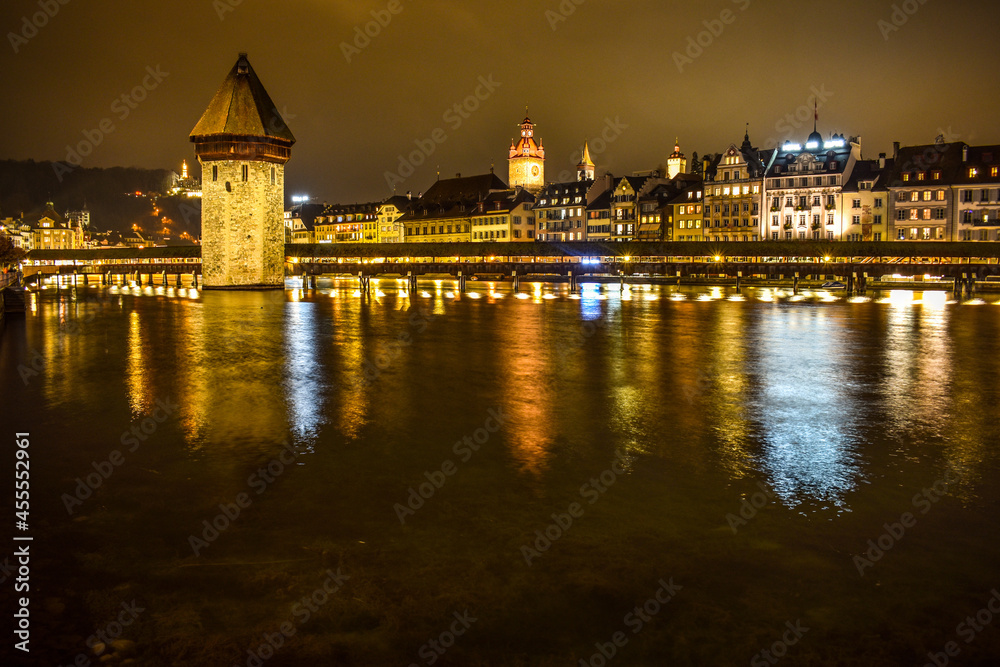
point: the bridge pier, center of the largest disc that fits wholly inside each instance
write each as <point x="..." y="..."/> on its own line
<point x="739" y="278"/>
<point x="365" y="281"/>
<point x="461" y="282"/>
<point x="164" y="278"/>
<point x="572" y="281"/>
<point x="194" y="279"/>
<point x="795" y="283"/>
<point x="411" y="281"/>
<point x="970" y="285"/>
<point x="678" y="278"/>
<point x="516" y="280"/>
<point x="312" y="281"/>
<point x="178" y="282"/>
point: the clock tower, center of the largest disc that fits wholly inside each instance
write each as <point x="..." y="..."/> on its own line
<point x="527" y="160"/>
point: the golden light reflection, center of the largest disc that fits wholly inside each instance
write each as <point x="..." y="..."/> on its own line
<point x="136" y="381"/>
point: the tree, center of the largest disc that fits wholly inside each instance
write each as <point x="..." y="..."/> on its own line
<point x="696" y="165"/>
<point x="9" y="254"/>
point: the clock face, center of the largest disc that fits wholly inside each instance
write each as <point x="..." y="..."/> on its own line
<point x="534" y="171"/>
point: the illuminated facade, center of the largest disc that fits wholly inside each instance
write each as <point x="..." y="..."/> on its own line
<point x="734" y="193"/>
<point x="562" y="211"/>
<point x="355" y="223"/>
<point x="444" y="213"/>
<point x="866" y="201"/>
<point x="804" y="188"/>
<point x="389" y="212"/>
<point x="527" y="160"/>
<point x="52" y="231"/>
<point x="504" y="217"/>
<point x="977" y="195"/>
<point x="242" y="144"/>
<point x="922" y="197"/>
<point x="672" y="211"/>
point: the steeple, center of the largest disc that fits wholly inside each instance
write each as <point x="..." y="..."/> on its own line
<point x="585" y="170"/>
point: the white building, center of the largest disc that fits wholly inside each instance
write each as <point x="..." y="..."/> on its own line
<point x="804" y="187"/>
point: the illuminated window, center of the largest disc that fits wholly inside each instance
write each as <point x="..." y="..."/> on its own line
<point x="973" y="172"/>
<point x="906" y="178"/>
<point x="993" y="172"/>
<point x="921" y="176"/>
<point x="914" y="214"/>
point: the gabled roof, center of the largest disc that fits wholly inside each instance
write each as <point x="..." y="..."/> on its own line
<point x="468" y="188"/>
<point x="242" y="107"/>
<point x="603" y="201"/>
<point x="943" y="157"/>
<point x="984" y="159"/>
<point x="868" y="170"/>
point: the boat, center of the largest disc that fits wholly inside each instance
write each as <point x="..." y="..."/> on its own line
<point x="836" y="284"/>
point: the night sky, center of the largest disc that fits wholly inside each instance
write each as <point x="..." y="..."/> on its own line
<point x="604" y="61"/>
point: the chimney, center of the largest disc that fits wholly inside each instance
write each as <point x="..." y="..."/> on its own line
<point x="409" y="195"/>
<point x="965" y="152"/>
<point x="895" y="150"/>
<point x="881" y="160"/>
<point x="459" y="175"/>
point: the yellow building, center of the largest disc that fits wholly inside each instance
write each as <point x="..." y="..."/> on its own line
<point x="354" y="223"/>
<point x="389" y="212"/>
<point x="444" y="213"/>
<point x="527" y="160"/>
<point x="504" y="217"/>
<point x="52" y="232"/>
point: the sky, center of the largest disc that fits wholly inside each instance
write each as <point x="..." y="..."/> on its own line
<point x="126" y="82"/>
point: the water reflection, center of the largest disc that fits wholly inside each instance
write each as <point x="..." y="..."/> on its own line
<point x="805" y="404"/>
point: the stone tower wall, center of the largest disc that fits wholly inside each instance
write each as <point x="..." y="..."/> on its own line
<point x="243" y="236"/>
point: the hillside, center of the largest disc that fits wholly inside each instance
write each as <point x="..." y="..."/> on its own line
<point x="25" y="186"/>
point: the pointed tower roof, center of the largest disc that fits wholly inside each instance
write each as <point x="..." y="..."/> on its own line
<point x="242" y="107"/>
<point x="586" y="161"/>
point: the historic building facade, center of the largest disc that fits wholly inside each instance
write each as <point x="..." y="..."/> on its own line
<point x="734" y="193"/>
<point x="922" y="196"/>
<point x="242" y="144"/>
<point x="804" y="188"/>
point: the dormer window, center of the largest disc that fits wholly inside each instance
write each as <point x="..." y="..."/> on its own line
<point x="973" y="172"/>
<point x="906" y="178"/>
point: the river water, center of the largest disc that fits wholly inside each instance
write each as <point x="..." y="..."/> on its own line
<point x="661" y="476"/>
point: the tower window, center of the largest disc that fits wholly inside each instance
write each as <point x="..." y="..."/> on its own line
<point x="274" y="179"/>
<point x="215" y="172"/>
<point x="246" y="172"/>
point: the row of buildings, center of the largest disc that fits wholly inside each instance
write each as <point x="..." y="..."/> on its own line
<point x="51" y="230"/>
<point x="48" y="230"/>
<point x="819" y="189"/>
